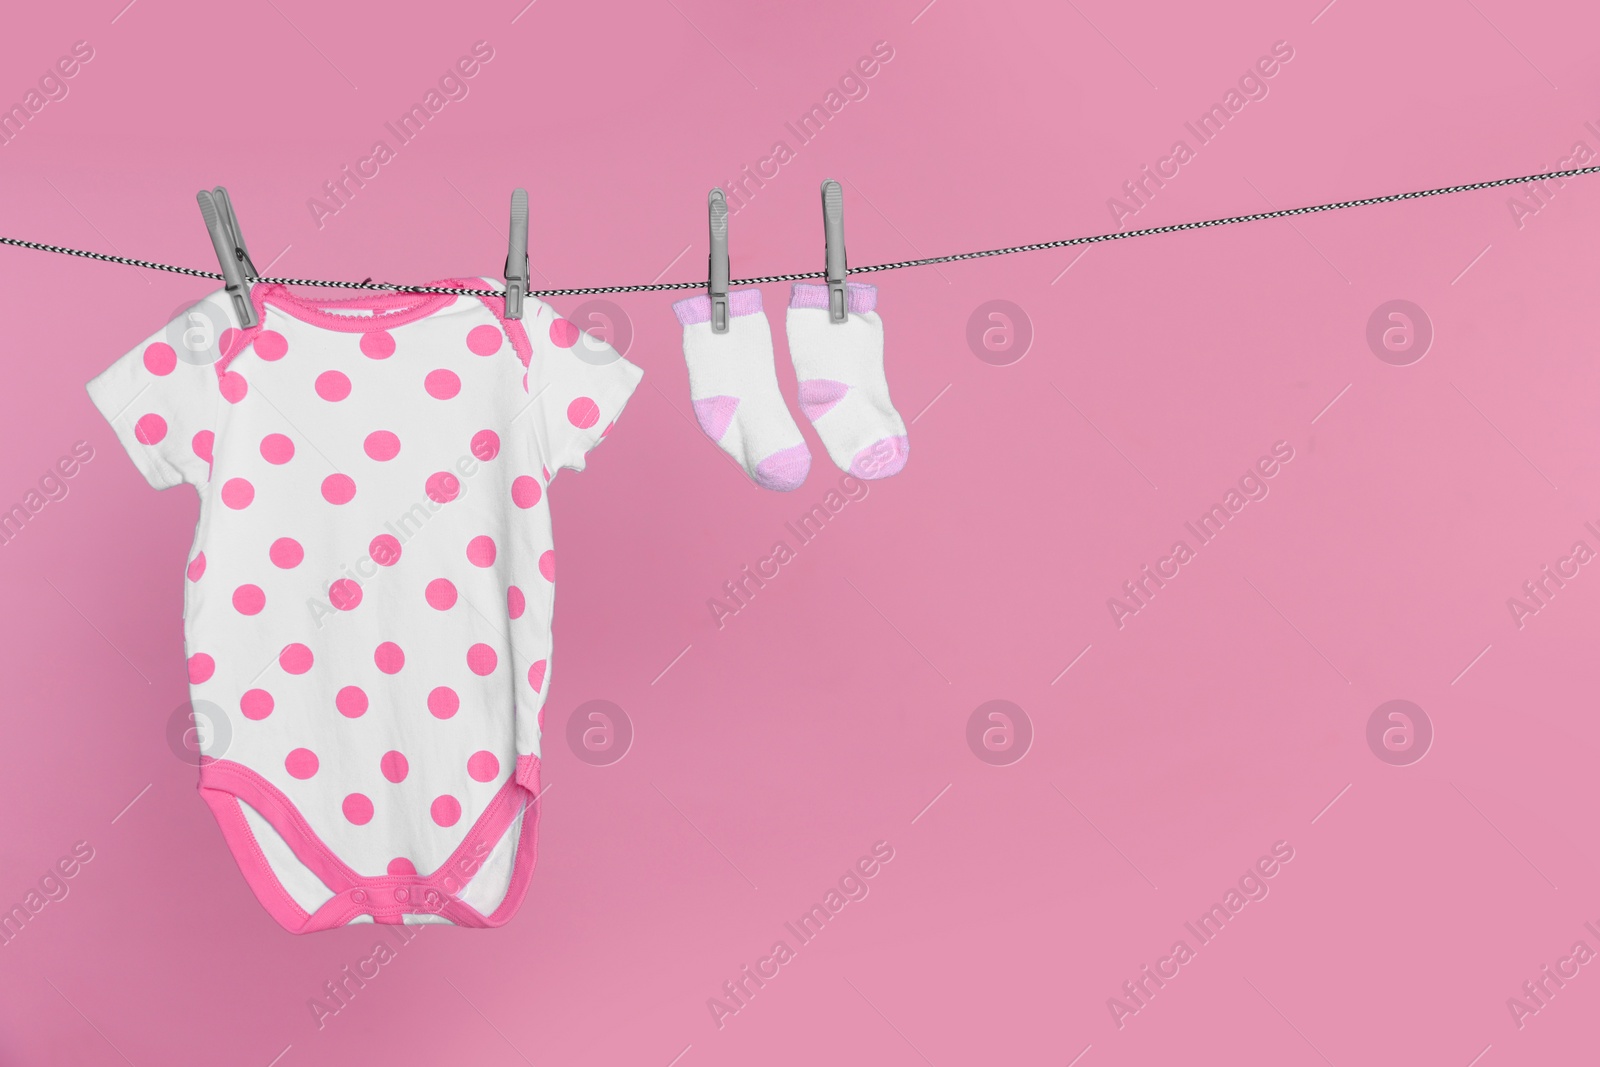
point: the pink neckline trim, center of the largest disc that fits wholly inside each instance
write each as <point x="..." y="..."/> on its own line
<point x="391" y="309"/>
<point x="388" y="308"/>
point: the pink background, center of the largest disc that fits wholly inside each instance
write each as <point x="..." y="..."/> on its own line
<point x="832" y="712"/>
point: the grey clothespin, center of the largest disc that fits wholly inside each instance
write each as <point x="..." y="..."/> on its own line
<point x="717" y="284"/>
<point x="833" y="225"/>
<point x="228" y="240"/>
<point x="517" y="256"/>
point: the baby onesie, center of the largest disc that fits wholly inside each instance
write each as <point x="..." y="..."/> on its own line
<point x="368" y="599"/>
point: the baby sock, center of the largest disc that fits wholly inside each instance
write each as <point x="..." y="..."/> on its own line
<point x="842" y="388"/>
<point x="735" y="390"/>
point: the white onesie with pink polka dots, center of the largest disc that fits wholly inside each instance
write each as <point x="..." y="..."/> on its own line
<point x="369" y="596"/>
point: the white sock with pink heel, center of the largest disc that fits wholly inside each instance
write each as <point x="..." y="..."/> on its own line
<point x="843" y="390"/>
<point x="734" y="388"/>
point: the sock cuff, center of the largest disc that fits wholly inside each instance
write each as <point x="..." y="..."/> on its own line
<point x="861" y="297"/>
<point x="698" y="308"/>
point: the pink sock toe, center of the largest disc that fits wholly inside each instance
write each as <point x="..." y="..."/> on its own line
<point x="819" y="395"/>
<point x="715" y="413"/>
<point x="881" y="458"/>
<point x="784" y="470"/>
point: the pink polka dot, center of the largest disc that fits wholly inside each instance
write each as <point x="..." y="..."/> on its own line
<point x="563" y="334"/>
<point x="441" y="594"/>
<point x="249" y="600"/>
<point x="381" y="445"/>
<point x="516" y="603"/>
<point x="332" y="385"/>
<point x="401" y="866"/>
<point x="446" y="810"/>
<point x="525" y="491"/>
<point x="276" y="448"/>
<point x="256" y="704"/>
<point x="394" y="766"/>
<point x="483" y="766"/>
<point x="286" y="553"/>
<point x="197" y="567"/>
<point x="442" y="487"/>
<point x="536" y="675"/>
<point x="295" y="658"/>
<point x="159" y="358"/>
<point x="149" y="429"/>
<point x="230" y="342"/>
<point x="389" y="658"/>
<point x="486" y="444"/>
<point x="351" y="701"/>
<point x="237" y="493"/>
<point x="524" y="381"/>
<point x="357" y="808"/>
<point x="377" y="344"/>
<point x="338" y="488"/>
<point x="271" y="345"/>
<point x="547" y="564"/>
<point x="583" y="413"/>
<point x="480" y="551"/>
<point x="384" y="550"/>
<point x="202" y="444"/>
<point x="481" y="659"/>
<point x="345" y="594"/>
<point x="485" y="340"/>
<point x="302" y="763"/>
<point x="233" y="386"/>
<point x="443" y="702"/>
<point x="201" y="667"/>
<point x="442" y="384"/>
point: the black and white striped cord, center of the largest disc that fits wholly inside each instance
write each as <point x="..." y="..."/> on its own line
<point x="655" y="287"/>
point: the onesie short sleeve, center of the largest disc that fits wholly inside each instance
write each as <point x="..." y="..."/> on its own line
<point x="163" y="408"/>
<point x="579" y="384"/>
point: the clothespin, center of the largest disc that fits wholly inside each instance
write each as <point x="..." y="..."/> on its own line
<point x="717" y="284"/>
<point x="833" y="226"/>
<point x="517" y="255"/>
<point x="228" y="240"/>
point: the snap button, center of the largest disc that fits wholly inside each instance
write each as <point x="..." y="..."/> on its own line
<point x="359" y="896"/>
<point x="431" y="898"/>
<point x="402" y="894"/>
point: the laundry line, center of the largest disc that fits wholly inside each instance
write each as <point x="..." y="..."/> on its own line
<point x="656" y="287"/>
